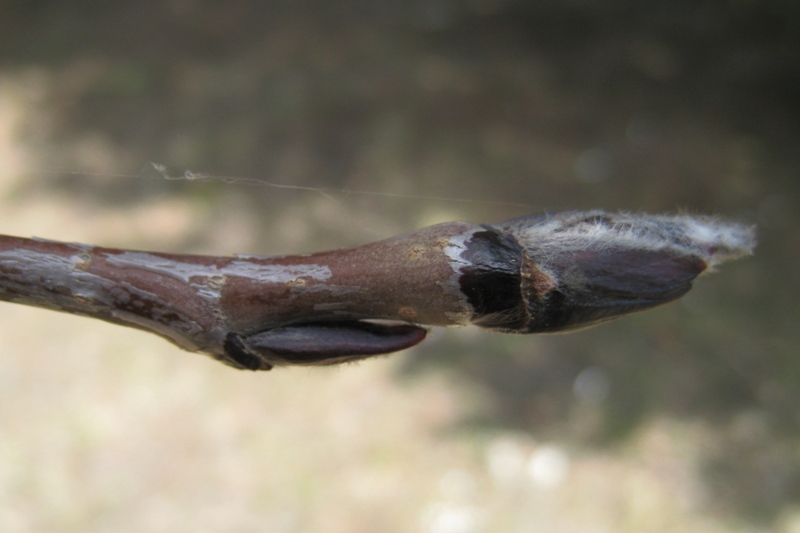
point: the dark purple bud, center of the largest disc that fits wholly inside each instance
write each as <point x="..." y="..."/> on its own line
<point x="579" y="269"/>
<point x="319" y="343"/>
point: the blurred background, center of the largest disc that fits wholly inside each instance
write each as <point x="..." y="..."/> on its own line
<point x="399" y="114"/>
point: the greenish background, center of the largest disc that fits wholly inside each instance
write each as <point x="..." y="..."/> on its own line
<point x="402" y="114"/>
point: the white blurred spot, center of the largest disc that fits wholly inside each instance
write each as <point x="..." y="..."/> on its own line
<point x="592" y="385"/>
<point x="447" y="518"/>
<point x="455" y="514"/>
<point x="548" y="466"/>
<point x="506" y="460"/>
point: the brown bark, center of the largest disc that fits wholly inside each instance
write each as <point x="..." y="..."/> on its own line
<point x="529" y="275"/>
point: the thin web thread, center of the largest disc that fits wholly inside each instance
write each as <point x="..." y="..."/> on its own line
<point x="161" y="171"/>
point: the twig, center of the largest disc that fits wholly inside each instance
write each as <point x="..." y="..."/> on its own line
<point x="528" y="275"/>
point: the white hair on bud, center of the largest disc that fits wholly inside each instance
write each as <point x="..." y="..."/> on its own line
<point x="709" y="238"/>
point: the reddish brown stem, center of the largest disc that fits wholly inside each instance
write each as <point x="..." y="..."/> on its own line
<point x="527" y="275"/>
